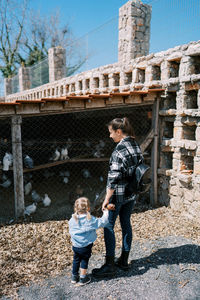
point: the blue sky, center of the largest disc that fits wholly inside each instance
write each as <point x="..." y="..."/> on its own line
<point x="174" y="22"/>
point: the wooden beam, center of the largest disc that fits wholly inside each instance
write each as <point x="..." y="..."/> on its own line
<point x="83" y="97"/>
<point x="29" y="101"/>
<point x="120" y="94"/>
<point x="147" y="141"/>
<point x="17" y="165"/>
<point x="154" y="154"/>
<point x="159" y="90"/>
<point x="9" y="103"/>
<point x="99" y="95"/>
<point x="139" y="92"/>
<point x="61" y="162"/>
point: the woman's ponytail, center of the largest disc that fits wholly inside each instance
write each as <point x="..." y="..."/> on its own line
<point x="122" y="124"/>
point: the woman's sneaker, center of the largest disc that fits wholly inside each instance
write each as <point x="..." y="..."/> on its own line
<point x="85" y="280"/>
<point x="74" y="279"/>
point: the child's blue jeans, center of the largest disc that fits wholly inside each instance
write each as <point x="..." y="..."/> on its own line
<point x="124" y="211"/>
<point x="81" y="258"/>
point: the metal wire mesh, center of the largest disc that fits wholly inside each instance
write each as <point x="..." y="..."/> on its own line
<point x="88" y="52"/>
<point x="15" y="84"/>
<point x="6" y="173"/>
<point x="66" y="156"/>
<point x="39" y="73"/>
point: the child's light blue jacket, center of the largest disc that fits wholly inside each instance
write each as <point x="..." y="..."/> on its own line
<point x="83" y="232"/>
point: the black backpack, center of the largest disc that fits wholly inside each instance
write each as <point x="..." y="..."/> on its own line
<point x="140" y="181"/>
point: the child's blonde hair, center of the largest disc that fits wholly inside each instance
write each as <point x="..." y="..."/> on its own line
<point x="82" y="206"/>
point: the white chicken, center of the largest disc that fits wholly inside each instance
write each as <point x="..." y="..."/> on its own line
<point x="46" y="200"/>
<point x="30" y="209"/>
<point x="56" y="155"/>
<point x="65" y="179"/>
<point x="35" y="196"/>
<point x="27" y="188"/>
<point x="7" y="161"/>
<point x="64" y="154"/>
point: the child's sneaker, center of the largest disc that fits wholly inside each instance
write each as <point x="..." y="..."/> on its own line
<point x="74" y="279"/>
<point x="85" y="280"/>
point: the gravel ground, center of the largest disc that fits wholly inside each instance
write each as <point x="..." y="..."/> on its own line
<point x="162" y="268"/>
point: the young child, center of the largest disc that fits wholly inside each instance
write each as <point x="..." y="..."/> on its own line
<point x="82" y="228"/>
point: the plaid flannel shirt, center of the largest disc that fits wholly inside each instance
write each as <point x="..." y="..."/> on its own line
<point x="121" y="166"/>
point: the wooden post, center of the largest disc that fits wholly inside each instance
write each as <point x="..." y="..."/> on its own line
<point x="17" y="166"/>
<point x="154" y="155"/>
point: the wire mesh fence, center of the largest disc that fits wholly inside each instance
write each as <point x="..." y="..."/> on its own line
<point x="66" y="156"/>
<point x="6" y="173"/>
<point x="15" y="84"/>
<point x="88" y="52"/>
<point x="39" y="73"/>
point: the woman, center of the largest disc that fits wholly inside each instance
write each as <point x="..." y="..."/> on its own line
<point x="123" y="160"/>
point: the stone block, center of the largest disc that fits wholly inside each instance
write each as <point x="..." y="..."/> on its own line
<point x="188" y="195"/>
<point x="178" y="133"/>
<point x="175" y="191"/>
<point x="184" y="178"/>
<point x="197" y="166"/>
<point x="176" y="203"/>
<point x="197" y="195"/>
<point x="194" y="208"/>
<point x="193" y="50"/>
<point x="197" y="134"/>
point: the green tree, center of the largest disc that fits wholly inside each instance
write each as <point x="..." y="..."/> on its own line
<point x="12" y="17"/>
<point x="25" y="38"/>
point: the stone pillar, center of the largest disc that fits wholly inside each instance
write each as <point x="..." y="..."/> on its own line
<point x="57" y="63"/>
<point x="134" y="30"/>
<point x="7" y="86"/>
<point x="24" y="79"/>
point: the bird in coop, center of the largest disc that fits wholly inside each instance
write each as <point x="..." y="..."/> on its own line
<point x="97" y="196"/>
<point x="101" y="178"/>
<point x="27" y="188"/>
<point x="28" y="162"/>
<point x="4" y="177"/>
<point x="30" y="209"/>
<point x="99" y="148"/>
<point x="69" y="143"/>
<point x="56" y="155"/>
<point x="86" y="173"/>
<point x="98" y="151"/>
<point x="6" y="184"/>
<point x="64" y="153"/>
<point x="88" y="144"/>
<point x="7" y="161"/>
<point x="27" y="177"/>
<point x="66" y="173"/>
<point x="102" y="143"/>
<point x="47" y="174"/>
<point x="65" y="180"/>
<point x="46" y="200"/>
<point x="35" y="196"/>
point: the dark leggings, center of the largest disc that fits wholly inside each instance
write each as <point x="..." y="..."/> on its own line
<point x="124" y="212"/>
<point x="81" y="258"/>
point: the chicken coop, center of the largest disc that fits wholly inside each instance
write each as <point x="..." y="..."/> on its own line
<point x="62" y="150"/>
